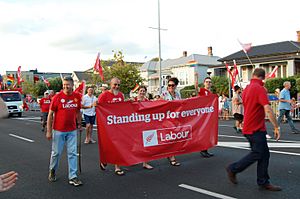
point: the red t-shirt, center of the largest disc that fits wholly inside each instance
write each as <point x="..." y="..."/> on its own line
<point x="204" y="92"/>
<point x="136" y="100"/>
<point x="65" y="108"/>
<point x="108" y="97"/>
<point x="254" y="99"/>
<point x="45" y="104"/>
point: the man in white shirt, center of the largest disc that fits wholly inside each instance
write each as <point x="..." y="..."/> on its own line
<point x="89" y="102"/>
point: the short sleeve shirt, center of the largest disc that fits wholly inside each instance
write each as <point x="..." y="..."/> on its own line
<point x="285" y="95"/>
<point x="108" y="97"/>
<point x="45" y="104"/>
<point x="65" y="108"/>
<point x="167" y="96"/>
<point x="255" y="98"/>
<point x="88" y="101"/>
<point x="204" y="92"/>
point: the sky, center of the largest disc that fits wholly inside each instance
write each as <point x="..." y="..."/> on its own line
<point x="66" y="35"/>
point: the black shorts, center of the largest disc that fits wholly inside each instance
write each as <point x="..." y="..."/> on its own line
<point x="89" y="119"/>
<point x="238" y="117"/>
<point x="44" y="117"/>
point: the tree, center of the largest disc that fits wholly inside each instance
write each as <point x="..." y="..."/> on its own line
<point x="129" y="74"/>
<point x="55" y="84"/>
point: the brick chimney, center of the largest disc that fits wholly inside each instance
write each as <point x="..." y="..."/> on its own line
<point x="298" y="36"/>
<point x="209" y="50"/>
<point x="184" y="53"/>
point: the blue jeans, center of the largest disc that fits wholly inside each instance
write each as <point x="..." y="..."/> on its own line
<point x="259" y="153"/>
<point x="283" y="112"/>
<point x="58" y="141"/>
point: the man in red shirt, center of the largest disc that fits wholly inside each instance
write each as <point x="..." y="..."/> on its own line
<point x="44" y="106"/>
<point x="112" y="96"/>
<point x="256" y="105"/>
<point x="63" y="114"/>
<point x="205" y="92"/>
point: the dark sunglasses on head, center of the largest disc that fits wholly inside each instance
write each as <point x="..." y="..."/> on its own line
<point x="171" y="85"/>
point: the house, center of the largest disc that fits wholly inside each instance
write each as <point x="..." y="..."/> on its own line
<point x="285" y="55"/>
<point x="78" y="76"/>
<point x="184" y="68"/>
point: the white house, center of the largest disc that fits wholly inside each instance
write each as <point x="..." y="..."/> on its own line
<point x="184" y="68"/>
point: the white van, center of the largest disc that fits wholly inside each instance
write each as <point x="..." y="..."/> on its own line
<point x="13" y="101"/>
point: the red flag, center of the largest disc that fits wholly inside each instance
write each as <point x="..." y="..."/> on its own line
<point x="81" y="88"/>
<point x="19" y="75"/>
<point x="36" y="78"/>
<point x="272" y="74"/>
<point x="45" y="81"/>
<point x="246" y="47"/>
<point x="135" y="88"/>
<point x="98" y="67"/>
<point x="230" y="74"/>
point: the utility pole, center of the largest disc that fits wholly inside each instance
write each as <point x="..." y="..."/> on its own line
<point x="159" y="48"/>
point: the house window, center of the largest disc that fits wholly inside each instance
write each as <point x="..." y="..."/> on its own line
<point x="284" y="71"/>
<point x="183" y="78"/>
<point x="220" y="72"/>
<point x="244" y="74"/>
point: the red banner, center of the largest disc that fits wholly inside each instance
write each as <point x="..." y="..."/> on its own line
<point x="134" y="132"/>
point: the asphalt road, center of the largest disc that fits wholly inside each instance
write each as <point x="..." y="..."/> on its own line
<point x="197" y="177"/>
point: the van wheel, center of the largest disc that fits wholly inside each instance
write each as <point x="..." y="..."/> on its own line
<point x="20" y="114"/>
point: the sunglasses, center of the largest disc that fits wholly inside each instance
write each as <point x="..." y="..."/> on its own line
<point x="207" y="81"/>
<point x="171" y="85"/>
<point x="116" y="84"/>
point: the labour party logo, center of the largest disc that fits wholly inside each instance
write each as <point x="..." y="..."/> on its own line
<point x="150" y="138"/>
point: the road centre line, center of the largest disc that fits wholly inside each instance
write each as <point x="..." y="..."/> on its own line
<point x="203" y="191"/>
<point x="22" y="138"/>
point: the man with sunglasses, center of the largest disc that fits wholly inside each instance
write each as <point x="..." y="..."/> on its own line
<point x="205" y="92"/>
<point x="114" y="95"/>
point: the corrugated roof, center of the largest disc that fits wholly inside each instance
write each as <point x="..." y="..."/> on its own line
<point x="284" y="47"/>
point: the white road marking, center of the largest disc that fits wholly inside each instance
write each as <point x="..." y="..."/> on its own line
<point x="242" y="137"/>
<point x="245" y="146"/>
<point x="22" y="138"/>
<point x="270" y="144"/>
<point x="27" y="118"/>
<point x="203" y="191"/>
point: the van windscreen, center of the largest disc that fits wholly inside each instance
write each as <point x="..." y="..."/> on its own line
<point x="10" y="97"/>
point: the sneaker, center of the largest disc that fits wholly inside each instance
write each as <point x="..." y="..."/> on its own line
<point x="296" y="131"/>
<point x="268" y="136"/>
<point x="52" y="177"/>
<point x="93" y="141"/>
<point x="75" y="181"/>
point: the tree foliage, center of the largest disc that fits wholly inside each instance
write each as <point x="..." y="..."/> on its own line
<point x="129" y="74"/>
<point x="272" y="84"/>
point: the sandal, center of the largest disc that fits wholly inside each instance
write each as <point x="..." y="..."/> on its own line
<point x="119" y="172"/>
<point x="86" y="142"/>
<point x="174" y="163"/>
<point x="103" y="166"/>
<point x="148" y="167"/>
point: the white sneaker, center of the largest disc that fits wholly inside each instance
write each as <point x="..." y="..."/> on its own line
<point x="268" y="136"/>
